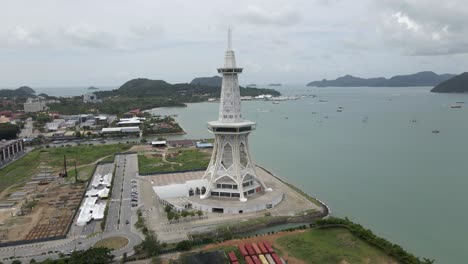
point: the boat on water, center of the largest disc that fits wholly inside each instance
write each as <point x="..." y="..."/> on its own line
<point x="275" y="102"/>
<point x="435" y="131"/>
<point x="323" y="101"/>
<point x="339" y="110"/>
<point x="455" y="106"/>
<point x="460" y="102"/>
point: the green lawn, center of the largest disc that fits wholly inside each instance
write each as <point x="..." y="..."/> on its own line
<point x="23" y="169"/>
<point x="191" y="159"/>
<point x="331" y="245"/>
<point x="112" y="242"/>
<point x="152" y="164"/>
<point x="83" y="154"/>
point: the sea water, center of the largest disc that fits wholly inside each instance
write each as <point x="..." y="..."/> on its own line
<point x="377" y="161"/>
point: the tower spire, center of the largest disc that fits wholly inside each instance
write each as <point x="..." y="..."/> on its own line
<point x="229" y="38"/>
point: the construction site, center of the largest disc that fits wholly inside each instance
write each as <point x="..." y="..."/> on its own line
<point x="42" y="209"/>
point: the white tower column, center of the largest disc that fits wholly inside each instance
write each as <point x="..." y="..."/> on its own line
<point x="231" y="171"/>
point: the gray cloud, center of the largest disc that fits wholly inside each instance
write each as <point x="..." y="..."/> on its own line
<point x="424" y="28"/>
<point x="261" y="16"/>
<point x="291" y="40"/>
<point x="85" y="35"/>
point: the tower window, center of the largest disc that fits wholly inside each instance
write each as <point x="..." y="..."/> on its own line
<point x="227" y="156"/>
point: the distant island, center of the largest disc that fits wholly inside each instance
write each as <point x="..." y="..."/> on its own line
<point x="146" y="94"/>
<point x="23" y="91"/>
<point x="92" y="88"/>
<point x="214" y="81"/>
<point x="457" y="84"/>
<point x="274" y="84"/>
<point x="426" y="78"/>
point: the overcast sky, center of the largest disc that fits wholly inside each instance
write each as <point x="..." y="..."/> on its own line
<point x="107" y="42"/>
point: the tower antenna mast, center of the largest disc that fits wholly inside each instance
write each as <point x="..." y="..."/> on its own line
<point x="229" y="38"/>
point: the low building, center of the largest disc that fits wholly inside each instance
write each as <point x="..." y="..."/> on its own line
<point x="70" y="123"/>
<point x="204" y="145"/>
<point x="174" y="194"/>
<point x="126" y="122"/>
<point x="101" y="120"/>
<point x="9" y="149"/>
<point x="33" y="105"/>
<point x="55" y="125"/>
<point x="117" y="130"/>
<point x="159" y="143"/>
<point x="91" y="98"/>
<point x="4" y="119"/>
<point x="181" y="143"/>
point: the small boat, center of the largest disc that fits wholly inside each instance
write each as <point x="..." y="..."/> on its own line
<point x="323" y="101"/>
<point x="286" y="118"/>
<point x="455" y="106"/>
<point x="435" y="131"/>
<point x="275" y="102"/>
<point x="314" y="113"/>
<point x="414" y="121"/>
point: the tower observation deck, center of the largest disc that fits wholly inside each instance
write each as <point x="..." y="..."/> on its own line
<point x="231" y="171"/>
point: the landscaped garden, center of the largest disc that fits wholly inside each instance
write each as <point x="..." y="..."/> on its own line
<point x="178" y="160"/>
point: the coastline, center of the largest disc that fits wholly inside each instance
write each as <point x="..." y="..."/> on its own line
<point x="308" y="196"/>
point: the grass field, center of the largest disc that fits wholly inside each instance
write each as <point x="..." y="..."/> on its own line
<point x="189" y="159"/>
<point x="112" y="242"/>
<point x="331" y="245"/>
<point x="152" y="164"/>
<point x="21" y="170"/>
<point x="84" y="172"/>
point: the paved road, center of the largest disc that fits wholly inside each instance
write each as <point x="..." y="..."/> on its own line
<point x="112" y="222"/>
<point x="125" y="171"/>
<point x="27" y="131"/>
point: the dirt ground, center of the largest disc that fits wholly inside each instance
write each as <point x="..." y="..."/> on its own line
<point x="270" y="238"/>
<point x="50" y="216"/>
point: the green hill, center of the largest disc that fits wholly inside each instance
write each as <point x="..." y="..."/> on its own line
<point x="426" y="78"/>
<point x="23" y="91"/>
<point x="147" y="94"/>
<point x="146" y="88"/>
<point x="457" y="84"/>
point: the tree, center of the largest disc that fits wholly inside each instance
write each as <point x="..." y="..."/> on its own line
<point x="8" y="131"/>
<point x="78" y="134"/>
<point x="200" y="213"/>
<point x="176" y="216"/>
<point x="184" y="245"/>
<point x="151" y="244"/>
<point x="99" y="255"/>
<point x="184" y="214"/>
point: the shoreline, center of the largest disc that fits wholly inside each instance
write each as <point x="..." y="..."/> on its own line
<point x="308" y="196"/>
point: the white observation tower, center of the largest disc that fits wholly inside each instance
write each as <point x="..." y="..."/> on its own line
<point x="231" y="171"/>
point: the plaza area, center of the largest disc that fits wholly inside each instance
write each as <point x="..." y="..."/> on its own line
<point x="291" y="204"/>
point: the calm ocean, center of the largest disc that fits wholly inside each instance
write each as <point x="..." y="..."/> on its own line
<point x="376" y="162"/>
